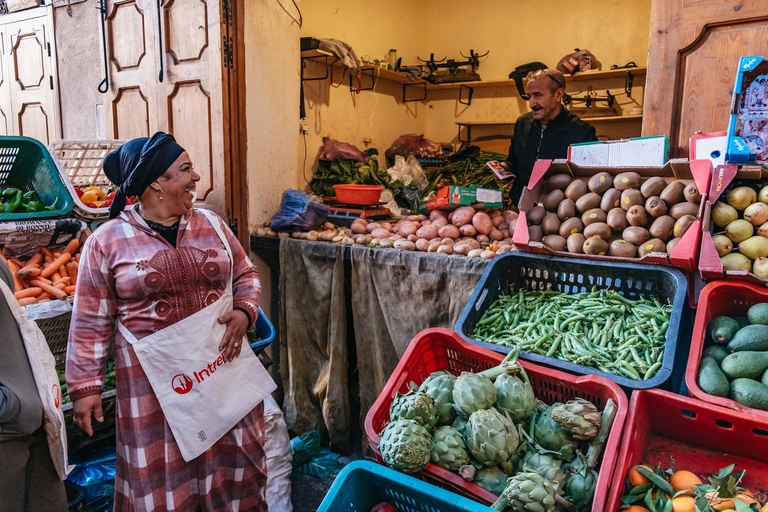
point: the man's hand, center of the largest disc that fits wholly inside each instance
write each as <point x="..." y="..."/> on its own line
<point x="237" y="324"/>
<point x="83" y="409"/>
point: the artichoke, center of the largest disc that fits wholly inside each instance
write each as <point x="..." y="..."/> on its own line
<point x="406" y="445"/>
<point x="439" y="386"/>
<point x="448" y="449"/>
<point x="515" y="397"/>
<point x="581" y="483"/>
<point x="527" y="492"/>
<point x="492" y="438"/>
<point x="578" y="417"/>
<point x="460" y="425"/>
<point x="475" y="391"/>
<point x="415" y="405"/>
<point x="551" y="436"/>
<point x="545" y="465"/>
<point x="491" y="479"/>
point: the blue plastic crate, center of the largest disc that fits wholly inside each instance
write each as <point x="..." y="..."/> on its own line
<point x="266" y="332"/>
<point x="362" y="484"/>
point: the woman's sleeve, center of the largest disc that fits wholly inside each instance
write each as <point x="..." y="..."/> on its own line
<point x="246" y="286"/>
<point x="93" y="323"/>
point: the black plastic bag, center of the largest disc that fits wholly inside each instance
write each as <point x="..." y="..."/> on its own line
<point x="299" y="212"/>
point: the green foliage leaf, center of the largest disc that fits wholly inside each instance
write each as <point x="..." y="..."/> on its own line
<point x="657" y="480"/>
<point x="639" y="489"/>
<point x="724" y="472"/>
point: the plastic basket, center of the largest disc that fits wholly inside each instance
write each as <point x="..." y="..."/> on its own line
<point x="265" y="330"/>
<point x="26" y="164"/>
<point x="362" y="484"/>
<point x="358" y="194"/>
<point x="663" y="427"/>
<point x="731" y="298"/>
<point x="56" y="331"/>
<point x="442" y="349"/>
<point x="81" y="163"/>
<point x="539" y="272"/>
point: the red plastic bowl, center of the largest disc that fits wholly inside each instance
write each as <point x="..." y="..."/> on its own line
<point x="729" y="298"/>
<point x="358" y="194"/>
<point x="663" y="427"/>
<point x="442" y="349"/>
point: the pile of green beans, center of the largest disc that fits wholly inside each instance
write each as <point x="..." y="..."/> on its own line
<point x="600" y="329"/>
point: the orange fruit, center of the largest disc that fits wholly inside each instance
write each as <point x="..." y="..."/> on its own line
<point x="637" y="478"/>
<point x="684" y="480"/>
<point x="746" y="497"/>
<point x="684" y="504"/>
<point x="638" y="508"/>
<point x="764" y="509"/>
<point x="718" y="503"/>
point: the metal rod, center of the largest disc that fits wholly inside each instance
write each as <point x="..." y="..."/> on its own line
<point x="104" y="84"/>
<point x="160" y="39"/>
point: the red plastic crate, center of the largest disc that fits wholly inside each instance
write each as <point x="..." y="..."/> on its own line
<point x="442" y="349"/>
<point x="699" y="437"/>
<point x="730" y="298"/>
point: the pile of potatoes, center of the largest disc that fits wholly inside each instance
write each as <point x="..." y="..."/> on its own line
<point x="621" y="216"/>
<point x="743" y="245"/>
<point x="464" y="232"/>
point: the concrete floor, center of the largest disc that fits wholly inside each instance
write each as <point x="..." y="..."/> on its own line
<point x="307" y="492"/>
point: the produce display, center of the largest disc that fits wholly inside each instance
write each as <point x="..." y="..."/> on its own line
<point x="655" y="489"/>
<point x="468" y="172"/>
<point x="599" y="329"/>
<point x="350" y="172"/>
<point x="465" y="231"/>
<point x="490" y="429"/>
<point x="15" y="200"/>
<point x="743" y="217"/>
<point x="735" y="362"/>
<point x="109" y="380"/>
<point x="46" y="275"/>
<point x="624" y="216"/>
<point x="94" y="197"/>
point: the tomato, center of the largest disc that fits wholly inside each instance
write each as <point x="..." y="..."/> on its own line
<point x="79" y="191"/>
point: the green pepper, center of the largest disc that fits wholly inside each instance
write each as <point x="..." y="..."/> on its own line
<point x="52" y="207"/>
<point x="28" y="196"/>
<point x="14" y="203"/>
<point x="10" y="192"/>
<point x="35" y="206"/>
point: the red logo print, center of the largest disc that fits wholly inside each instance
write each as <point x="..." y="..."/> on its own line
<point x="56" y="395"/>
<point x="181" y="384"/>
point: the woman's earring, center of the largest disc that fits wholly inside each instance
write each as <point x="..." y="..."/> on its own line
<point x="159" y="194"/>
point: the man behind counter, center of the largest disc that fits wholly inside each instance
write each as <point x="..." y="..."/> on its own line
<point x="547" y="131"/>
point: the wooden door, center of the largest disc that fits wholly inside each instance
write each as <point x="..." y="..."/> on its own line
<point x="695" y="46"/>
<point x="31" y="79"/>
<point x="6" y="116"/>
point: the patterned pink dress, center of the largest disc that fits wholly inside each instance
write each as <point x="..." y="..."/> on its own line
<point x="130" y="272"/>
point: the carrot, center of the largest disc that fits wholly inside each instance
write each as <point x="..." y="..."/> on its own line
<point x="63" y="270"/>
<point x="72" y="271"/>
<point x="72" y="246"/>
<point x="29" y="292"/>
<point x="44" y="299"/>
<point x="56" y="254"/>
<point x="53" y="290"/>
<point x="70" y="290"/>
<point x="64" y="280"/>
<point x="46" y="281"/>
<point x="17" y="284"/>
<point x="29" y="271"/>
<point x="77" y="257"/>
<point x="59" y="285"/>
<point x="26" y="301"/>
<point x="2" y="257"/>
<point x="48" y="257"/>
<point x="55" y="264"/>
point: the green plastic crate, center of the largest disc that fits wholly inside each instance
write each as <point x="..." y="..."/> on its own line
<point x="26" y="164"/>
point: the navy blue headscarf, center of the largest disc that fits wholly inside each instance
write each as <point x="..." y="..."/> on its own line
<point x="136" y="164"/>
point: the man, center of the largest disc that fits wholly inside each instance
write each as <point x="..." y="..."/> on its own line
<point x="546" y="131"/>
<point x="28" y="478"/>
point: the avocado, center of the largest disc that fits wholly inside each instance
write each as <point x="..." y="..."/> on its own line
<point x="722" y="329"/>
<point x="747" y="364"/>
<point x="751" y="337"/>
<point x="758" y="314"/>
<point x="716" y="352"/>
<point x="711" y="379"/>
<point x="743" y="321"/>
<point x="750" y="393"/>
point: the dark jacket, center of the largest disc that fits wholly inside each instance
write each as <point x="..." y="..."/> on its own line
<point x="528" y="145"/>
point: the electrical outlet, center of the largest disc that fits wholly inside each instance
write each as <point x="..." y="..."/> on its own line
<point x="303" y="126"/>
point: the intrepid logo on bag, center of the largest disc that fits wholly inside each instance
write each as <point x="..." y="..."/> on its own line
<point x="182" y="384"/>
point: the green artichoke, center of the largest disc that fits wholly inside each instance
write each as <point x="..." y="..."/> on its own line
<point x="460" y="425"/>
<point x="449" y="451"/>
<point x="581" y="483"/>
<point x="578" y="417"/>
<point x="545" y="465"/>
<point x="550" y="435"/>
<point x="514" y="397"/>
<point x="491" y="479"/>
<point x="475" y="391"/>
<point x="406" y="445"/>
<point x="527" y="492"/>
<point x="414" y="405"/>
<point x="492" y="438"/>
<point x="439" y="386"/>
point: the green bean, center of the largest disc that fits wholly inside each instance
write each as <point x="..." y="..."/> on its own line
<point x="652" y="370"/>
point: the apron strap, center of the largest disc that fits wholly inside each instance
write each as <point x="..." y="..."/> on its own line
<point x="213" y="220"/>
<point x="13" y="304"/>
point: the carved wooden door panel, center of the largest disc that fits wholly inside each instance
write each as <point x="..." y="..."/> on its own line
<point x="695" y="46"/>
<point x="6" y="119"/>
<point x="30" y="79"/>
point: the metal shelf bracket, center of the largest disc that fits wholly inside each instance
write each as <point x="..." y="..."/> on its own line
<point x="628" y="79"/>
<point x="353" y="87"/>
<point x="424" y="92"/>
<point x="314" y="78"/>
<point x="470" y="90"/>
<point x="469" y="132"/>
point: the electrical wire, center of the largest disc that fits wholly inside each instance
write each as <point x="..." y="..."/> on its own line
<point x="304" y="165"/>
<point x="299" y="21"/>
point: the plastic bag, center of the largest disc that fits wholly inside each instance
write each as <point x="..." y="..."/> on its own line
<point x="299" y="212"/>
<point x="417" y="145"/>
<point x="333" y="150"/>
<point x="409" y="173"/>
<point x="97" y="477"/>
<point x="579" y="60"/>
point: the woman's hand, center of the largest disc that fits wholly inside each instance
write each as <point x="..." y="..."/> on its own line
<point x="237" y="324"/>
<point x="83" y="409"/>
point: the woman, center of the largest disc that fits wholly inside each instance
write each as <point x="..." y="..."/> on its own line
<point x="147" y="269"/>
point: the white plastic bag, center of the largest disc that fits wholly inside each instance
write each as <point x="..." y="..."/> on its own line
<point x="277" y="446"/>
<point x="409" y="173"/>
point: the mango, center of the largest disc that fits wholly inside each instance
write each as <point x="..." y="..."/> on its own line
<point x="739" y="230"/>
<point x="754" y="247"/>
<point x="741" y="197"/>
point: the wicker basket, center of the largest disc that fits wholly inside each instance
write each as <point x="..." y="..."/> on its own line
<point x="81" y="162"/>
<point x="56" y="331"/>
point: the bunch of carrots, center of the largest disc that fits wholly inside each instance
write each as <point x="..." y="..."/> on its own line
<point x="46" y="275"/>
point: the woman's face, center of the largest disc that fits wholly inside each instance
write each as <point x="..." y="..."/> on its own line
<point x="178" y="185"/>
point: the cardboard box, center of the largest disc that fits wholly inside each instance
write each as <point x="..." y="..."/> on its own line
<point x="685" y="253"/>
<point x="635" y="152"/>
<point x="748" y="125"/>
<point x="710" y="266"/>
<point x="450" y="198"/>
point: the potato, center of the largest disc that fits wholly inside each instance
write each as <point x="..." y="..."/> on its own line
<point x="626" y="180"/>
<point x="505" y="248"/>
<point x="313" y="235"/>
<point x="373" y="225"/>
<point x="505" y="233"/>
<point x="359" y="226"/>
<point x="261" y="231"/>
<point x="416" y="218"/>
<point x="502" y="226"/>
<point x="576" y="189"/>
<point x="462" y="249"/>
<point x="412" y="238"/>
<point x="378" y="233"/>
<point x="445" y="249"/>
<point x="475" y="253"/>
<point x="429" y="232"/>
<point x="438" y="214"/>
<point x="271" y="233"/>
<point x="449" y="231"/>
<point x="468" y="230"/>
<point x="386" y="225"/>
<point x="600" y="182"/>
<point x="487" y="255"/>
<point x="327" y="236"/>
<point x="296" y="235"/>
<point x="385" y="243"/>
<point x="495" y="235"/>
<point x="337" y="238"/>
<point x="471" y="243"/>
<point x="447" y="241"/>
<point x="463" y="215"/>
<point x="347" y="241"/>
<point x="327" y="226"/>
<point x="363" y="239"/>
<point x="422" y="244"/>
<point x="483" y="239"/>
<point x="425" y="223"/>
<point x="497" y="220"/>
<point x="404" y="245"/>
<point x="493" y="213"/>
<point x="482" y="223"/>
<point x="440" y="222"/>
<point x="409" y="228"/>
<point x="510" y="217"/>
<point x="396" y="237"/>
